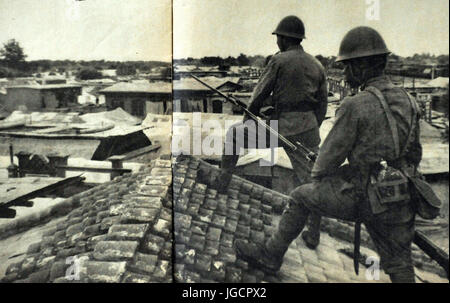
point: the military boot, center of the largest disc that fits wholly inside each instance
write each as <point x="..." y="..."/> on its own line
<point x="405" y="276"/>
<point x="311" y="236"/>
<point x="310" y="240"/>
<point x="258" y="256"/>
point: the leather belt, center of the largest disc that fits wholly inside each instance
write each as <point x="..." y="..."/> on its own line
<point x="300" y="107"/>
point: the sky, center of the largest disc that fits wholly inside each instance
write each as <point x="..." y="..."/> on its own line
<point x="142" y="29"/>
<point x="89" y="30"/>
<point x="231" y="27"/>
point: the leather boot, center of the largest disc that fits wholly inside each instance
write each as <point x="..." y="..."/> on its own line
<point x="269" y="257"/>
<point x="311" y="236"/>
<point x="406" y="276"/>
<point x="258" y="256"/>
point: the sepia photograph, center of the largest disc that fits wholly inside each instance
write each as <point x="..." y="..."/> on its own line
<point x="252" y="141"/>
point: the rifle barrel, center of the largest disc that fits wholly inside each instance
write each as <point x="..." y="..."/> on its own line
<point x="309" y="154"/>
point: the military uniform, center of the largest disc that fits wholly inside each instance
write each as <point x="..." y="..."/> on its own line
<point x="361" y="134"/>
<point x="295" y="84"/>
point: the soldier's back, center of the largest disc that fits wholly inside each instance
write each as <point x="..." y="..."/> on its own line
<point x="374" y="139"/>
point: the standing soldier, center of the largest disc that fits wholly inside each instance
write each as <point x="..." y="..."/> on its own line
<point x="294" y="83"/>
<point x="376" y="130"/>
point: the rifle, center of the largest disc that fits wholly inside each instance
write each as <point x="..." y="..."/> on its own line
<point x="303" y="153"/>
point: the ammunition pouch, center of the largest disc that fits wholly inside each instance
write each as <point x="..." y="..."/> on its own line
<point x="387" y="187"/>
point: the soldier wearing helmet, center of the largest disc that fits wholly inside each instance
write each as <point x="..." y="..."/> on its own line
<point x="294" y="84"/>
<point x="376" y="127"/>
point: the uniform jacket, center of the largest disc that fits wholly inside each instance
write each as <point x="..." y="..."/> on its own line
<point x="293" y="77"/>
<point x="361" y="131"/>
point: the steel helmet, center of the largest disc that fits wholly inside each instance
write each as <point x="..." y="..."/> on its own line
<point x="361" y="41"/>
<point x="290" y="26"/>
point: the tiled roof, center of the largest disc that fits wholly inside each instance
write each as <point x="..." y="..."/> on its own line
<point x="207" y="224"/>
<point x="189" y="85"/>
<point x="120" y="232"/>
<point x="46" y="86"/>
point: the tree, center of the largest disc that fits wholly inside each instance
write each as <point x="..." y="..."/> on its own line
<point x="166" y="72"/>
<point x="211" y="60"/>
<point x="13" y="55"/>
<point x="243" y="60"/>
<point x="257" y="61"/>
<point x="89" y="73"/>
<point x="323" y="60"/>
<point x="125" y="69"/>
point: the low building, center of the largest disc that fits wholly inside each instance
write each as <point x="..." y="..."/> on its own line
<point x="139" y="98"/>
<point x="185" y="71"/>
<point x="40" y="97"/>
<point x="192" y="96"/>
<point x="93" y="136"/>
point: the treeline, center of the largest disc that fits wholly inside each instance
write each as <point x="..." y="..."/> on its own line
<point x="93" y="67"/>
<point x="426" y="57"/>
<point x="327" y="62"/>
<point x="223" y="63"/>
<point x="64" y="65"/>
<point x="244" y="60"/>
<point x="13" y="63"/>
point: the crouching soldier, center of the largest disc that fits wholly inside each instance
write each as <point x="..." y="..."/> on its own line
<point x="377" y="132"/>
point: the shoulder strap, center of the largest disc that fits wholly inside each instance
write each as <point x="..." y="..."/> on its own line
<point x="414" y="111"/>
<point x="392" y="123"/>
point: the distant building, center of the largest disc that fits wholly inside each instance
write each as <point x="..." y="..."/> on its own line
<point x="139" y="98"/>
<point x="184" y="71"/>
<point x="192" y="96"/>
<point x="109" y="72"/>
<point x="51" y="80"/>
<point x="39" y="97"/>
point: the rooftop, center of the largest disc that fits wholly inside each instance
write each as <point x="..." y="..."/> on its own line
<point x="13" y="188"/>
<point x="139" y="87"/>
<point x="121" y="231"/>
<point x="45" y="86"/>
<point x="118" y="231"/>
<point x="53" y="125"/>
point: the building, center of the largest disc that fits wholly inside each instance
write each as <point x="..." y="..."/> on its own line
<point x="139" y="98"/>
<point x="54" y="79"/>
<point x="40" y="97"/>
<point x="184" y="71"/>
<point x="192" y="96"/>
<point x="93" y="136"/>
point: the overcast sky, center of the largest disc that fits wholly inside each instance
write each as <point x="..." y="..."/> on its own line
<point x="230" y="27"/>
<point x="141" y="29"/>
<point x="89" y="29"/>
